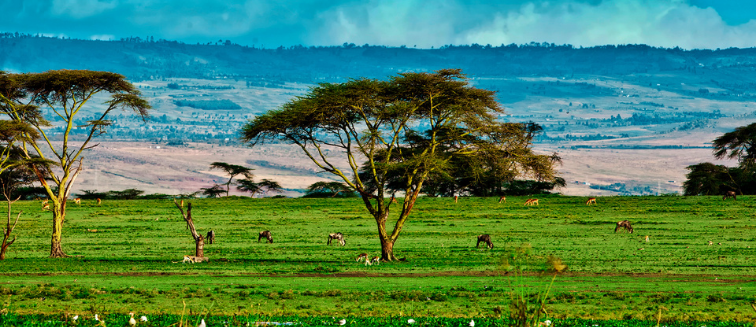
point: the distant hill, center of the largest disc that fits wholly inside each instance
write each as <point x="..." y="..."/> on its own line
<point x="141" y="59"/>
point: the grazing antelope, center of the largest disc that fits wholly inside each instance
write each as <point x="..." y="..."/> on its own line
<point x="266" y="234"/>
<point x="591" y="201"/>
<point x="624" y="224"/>
<point x="710" y="242"/>
<point x="99" y="202"/>
<point x="374" y="260"/>
<point x="210" y="237"/>
<point x="78" y="201"/>
<point x="336" y="236"/>
<point x="730" y="194"/>
<point x="363" y="256"/>
<point x="393" y="200"/>
<point x="455" y="199"/>
<point x="531" y="202"/>
<point x="45" y="206"/>
<point x="503" y="199"/>
<point x="182" y="203"/>
<point x="192" y="259"/>
<point x="485" y="238"/>
<point x="647" y="240"/>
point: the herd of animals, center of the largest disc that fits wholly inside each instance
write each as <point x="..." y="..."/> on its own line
<point x="339" y="237"/>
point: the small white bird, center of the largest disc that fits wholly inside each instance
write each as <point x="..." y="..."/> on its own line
<point x="342" y="322"/>
<point x="143" y="318"/>
<point x="411" y="321"/>
<point x="132" y="321"/>
<point x="202" y="323"/>
<point x="472" y="323"/>
<point x="75" y="317"/>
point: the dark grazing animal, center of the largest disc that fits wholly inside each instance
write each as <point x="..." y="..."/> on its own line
<point x="485" y="238"/>
<point x="336" y="236"/>
<point x="730" y="194"/>
<point x="265" y="234"/>
<point x="624" y="224"/>
<point x="210" y="237"/>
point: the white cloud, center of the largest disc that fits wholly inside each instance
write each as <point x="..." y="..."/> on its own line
<point x="102" y="37"/>
<point x="666" y="23"/>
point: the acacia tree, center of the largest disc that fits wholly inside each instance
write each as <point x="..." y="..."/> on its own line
<point x="64" y="93"/>
<point x="331" y="189"/>
<point x="410" y="126"/>
<point x="213" y="191"/>
<point x="13" y="173"/>
<point x="232" y="171"/>
<point x="262" y="187"/>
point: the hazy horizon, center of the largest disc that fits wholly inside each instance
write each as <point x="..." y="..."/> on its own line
<point x="689" y="24"/>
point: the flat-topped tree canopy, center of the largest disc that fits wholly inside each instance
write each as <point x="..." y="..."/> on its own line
<point x="78" y="86"/>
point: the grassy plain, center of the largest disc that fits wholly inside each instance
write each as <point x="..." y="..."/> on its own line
<point x="132" y="261"/>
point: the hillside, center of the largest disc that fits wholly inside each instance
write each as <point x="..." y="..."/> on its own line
<point x="627" y="119"/>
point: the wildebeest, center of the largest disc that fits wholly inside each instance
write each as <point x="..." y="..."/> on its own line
<point x="336" y="236"/>
<point x="265" y="234"/>
<point x="730" y="194"/>
<point x="210" y="237"/>
<point x="624" y="224"/>
<point x="485" y="238"/>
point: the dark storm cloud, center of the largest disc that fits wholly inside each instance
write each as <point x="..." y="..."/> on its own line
<point x="689" y="24"/>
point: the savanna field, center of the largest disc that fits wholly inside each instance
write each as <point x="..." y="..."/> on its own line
<point x="127" y="257"/>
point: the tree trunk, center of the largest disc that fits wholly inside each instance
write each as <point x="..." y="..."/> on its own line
<point x="199" y="250"/>
<point x="387" y="249"/>
<point x="56" y="248"/>
<point x="4" y="246"/>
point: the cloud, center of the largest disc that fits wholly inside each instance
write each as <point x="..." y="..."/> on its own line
<point x="668" y="23"/>
<point x="102" y="37"/>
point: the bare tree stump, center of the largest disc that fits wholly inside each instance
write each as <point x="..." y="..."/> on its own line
<point x="199" y="241"/>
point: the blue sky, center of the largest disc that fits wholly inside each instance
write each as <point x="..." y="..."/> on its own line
<point x="271" y="23"/>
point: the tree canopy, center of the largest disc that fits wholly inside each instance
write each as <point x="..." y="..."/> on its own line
<point x="372" y="133"/>
<point x="262" y="187"/>
<point x="739" y="144"/>
<point x="232" y="171"/>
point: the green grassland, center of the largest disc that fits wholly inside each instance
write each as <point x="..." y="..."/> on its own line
<point x="133" y="260"/>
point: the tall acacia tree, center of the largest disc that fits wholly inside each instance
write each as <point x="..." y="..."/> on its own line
<point x="232" y="171"/>
<point x="64" y="93"/>
<point x="410" y="126"/>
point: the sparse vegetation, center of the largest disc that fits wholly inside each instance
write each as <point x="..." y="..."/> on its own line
<point x="605" y="275"/>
